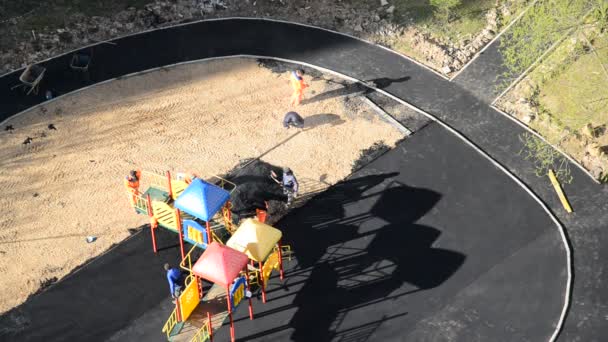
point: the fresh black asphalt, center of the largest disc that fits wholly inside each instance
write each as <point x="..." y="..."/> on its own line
<point x="447" y="101"/>
<point x="415" y="245"/>
<point x="486" y="77"/>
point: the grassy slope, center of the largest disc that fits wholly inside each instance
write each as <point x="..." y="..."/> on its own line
<point x="53" y="14"/>
<point x="579" y="94"/>
<point x="467" y="19"/>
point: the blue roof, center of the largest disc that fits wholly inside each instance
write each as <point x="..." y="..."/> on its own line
<point x="201" y="199"/>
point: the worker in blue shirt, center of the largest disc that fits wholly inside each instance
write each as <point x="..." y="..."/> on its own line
<point x="288" y="182"/>
<point x="175" y="279"/>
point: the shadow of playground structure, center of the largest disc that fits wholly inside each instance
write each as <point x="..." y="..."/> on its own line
<point x="352" y="262"/>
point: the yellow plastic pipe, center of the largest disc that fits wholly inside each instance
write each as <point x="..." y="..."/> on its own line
<point x="560" y="191"/>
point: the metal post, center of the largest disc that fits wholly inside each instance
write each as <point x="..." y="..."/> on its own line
<point x="232" y="337"/>
<point x="280" y="261"/>
<point x="249" y="290"/>
<point x="179" y="232"/>
<point x="199" y="282"/>
<point x="210" y="326"/>
<point x="151" y="214"/>
<point x="209" y="236"/>
<point x="262" y="282"/>
<point x="178" y="313"/>
<point x="169" y="183"/>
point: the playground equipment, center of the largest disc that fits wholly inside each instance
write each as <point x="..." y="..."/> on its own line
<point x="262" y="244"/>
<point x="226" y="268"/>
<point x="198" y="211"/>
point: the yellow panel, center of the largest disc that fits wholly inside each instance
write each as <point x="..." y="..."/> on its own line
<point x="271" y="263"/>
<point x="189" y="299"/>
<point x="178" y="187"/>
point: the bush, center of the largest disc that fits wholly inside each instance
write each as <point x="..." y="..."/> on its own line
<point x="545" y="157"/>
<point x="444" y="7"/>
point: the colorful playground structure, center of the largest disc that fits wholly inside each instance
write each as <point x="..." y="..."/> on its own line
<point x="232" y="271"/>
<point x="199" y="212"/>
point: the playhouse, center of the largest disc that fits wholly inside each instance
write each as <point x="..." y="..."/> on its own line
<point x="197" y="210"/>
<point x="232" y="271"/>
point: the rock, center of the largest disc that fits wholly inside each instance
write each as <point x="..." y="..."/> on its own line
<point x="588" y="131"/>
<point x="66" y="37"/>
<point x="446" y="69"/>
<point x="594" y="149"/>
<point x="383" y="2"/>
<point x="358" y="28"/>
<point x="527" y="117"/>
<point x="390" y="10"/>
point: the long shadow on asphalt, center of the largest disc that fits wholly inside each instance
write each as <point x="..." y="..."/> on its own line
<point x="399" y="252"/>
<point x="346" y="266"/>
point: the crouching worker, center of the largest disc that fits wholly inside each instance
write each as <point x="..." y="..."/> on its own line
<point x="288" y="182"/>
<point x="132" y="185"/>
<point x="293" y="119"/>
<point x="175" y="279"/>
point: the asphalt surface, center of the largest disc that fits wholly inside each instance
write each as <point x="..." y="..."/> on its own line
<point x="100" y="298"/>
<point x="486" y="77"/>
<point x="449" y="102"/>
<point x="414" y="246"/>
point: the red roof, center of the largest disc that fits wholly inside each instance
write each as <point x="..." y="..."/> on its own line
<point x="220" y="264"/>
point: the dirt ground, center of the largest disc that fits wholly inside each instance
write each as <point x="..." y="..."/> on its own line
<point x="66" y="183"/>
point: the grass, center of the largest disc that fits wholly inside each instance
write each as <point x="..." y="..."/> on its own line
<point x="579" y="94"/>
<point x="51" y="15"/>
<point x="56" y="13"/>
<point x="467" y="19"/>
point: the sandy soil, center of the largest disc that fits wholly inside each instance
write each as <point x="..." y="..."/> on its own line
<point x="66" y="183"/>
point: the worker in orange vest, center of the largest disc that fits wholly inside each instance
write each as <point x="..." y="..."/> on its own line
<point x="298" y="86"/>
<point x="132" y="184"/>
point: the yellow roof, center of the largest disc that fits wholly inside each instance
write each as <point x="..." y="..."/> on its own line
<point x="255" y="239"/>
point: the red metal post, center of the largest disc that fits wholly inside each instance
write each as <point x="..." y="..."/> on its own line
<point x="248" y="289"/>
<point x="280" y="261"/>
<point x="232" y="335"/>
<point x="199" y="282"/>
<point x="262" y="282"/>
<point x="151" y="214"/>
<point x="210" y="326"/>
<point x="179" y="233"/>
<point x="178" y="310"/>
<point x="169" y="183"/>
<point x="209" y="236"/>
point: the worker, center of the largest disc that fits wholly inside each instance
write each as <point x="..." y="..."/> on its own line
<point x="288" y="182"/>
<point x="189" y="176"/>
<point x="298" y="86"/>
<point x="132" y="185"/>
<point x="175" y="279"/>
<point x="293" y="119"/>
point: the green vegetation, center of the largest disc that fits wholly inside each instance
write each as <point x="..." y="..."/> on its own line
<point x="568" y="89"/>
<point x="56" y="13"/>
<point x="545" y="158"/>
<point x="444" y="7"/>
<point x="466" y="17"/>
<point x="579" y="94"/>
<point x="542" y="26"/>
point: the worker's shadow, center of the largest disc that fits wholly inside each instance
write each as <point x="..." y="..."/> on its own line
<point x="355" y="89"/>
<point x="317" y="120"/>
